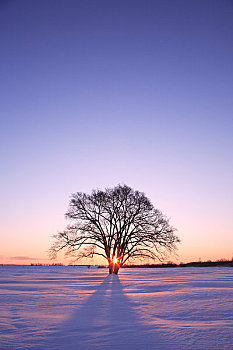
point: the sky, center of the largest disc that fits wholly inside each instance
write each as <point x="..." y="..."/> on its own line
<point x="97" y="93"/>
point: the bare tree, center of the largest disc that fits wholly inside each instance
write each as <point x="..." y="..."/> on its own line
<point x="118" y="224"/>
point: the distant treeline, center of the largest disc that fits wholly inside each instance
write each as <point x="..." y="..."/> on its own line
<point x="39" y="264"/>
<point x="221" y="262"/>
<point x="56" y="264"/>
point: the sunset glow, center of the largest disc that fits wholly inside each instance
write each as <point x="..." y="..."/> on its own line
<point x="130" y="92"/>
<point x="114" y="259"/>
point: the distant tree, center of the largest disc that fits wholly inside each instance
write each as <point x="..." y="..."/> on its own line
<point x="118" y="224"/>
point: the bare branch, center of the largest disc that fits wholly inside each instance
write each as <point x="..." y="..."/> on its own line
<point x="116" y="222"/>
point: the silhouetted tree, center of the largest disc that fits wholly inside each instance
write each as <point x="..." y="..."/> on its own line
<point x="117" y="224"/>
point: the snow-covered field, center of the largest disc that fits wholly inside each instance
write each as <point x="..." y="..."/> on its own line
<point x="81" y="308"/>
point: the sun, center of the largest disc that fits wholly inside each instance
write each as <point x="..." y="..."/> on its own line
<point x="114" y="259"/>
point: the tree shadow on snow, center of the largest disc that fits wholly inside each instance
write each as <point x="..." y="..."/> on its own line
<point x="107" y="320"/>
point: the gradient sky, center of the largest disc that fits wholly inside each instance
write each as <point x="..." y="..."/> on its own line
<point x="96" y="93"/>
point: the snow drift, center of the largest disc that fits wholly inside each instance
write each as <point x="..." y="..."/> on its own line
<point x="80" y="308"/>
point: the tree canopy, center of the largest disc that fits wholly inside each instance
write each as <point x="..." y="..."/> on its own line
<point x="118" y="224"/>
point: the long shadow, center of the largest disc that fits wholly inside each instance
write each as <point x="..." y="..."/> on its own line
<point x="107" y="320"/>
<point x="127" y="329"/>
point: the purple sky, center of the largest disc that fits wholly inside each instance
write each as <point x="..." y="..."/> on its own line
<point x="96" y="93"/>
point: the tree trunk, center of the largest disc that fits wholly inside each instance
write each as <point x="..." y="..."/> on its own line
<point x="113" y="268"/>
<point x="116" y="268"/>
<point x="110" y="268"/>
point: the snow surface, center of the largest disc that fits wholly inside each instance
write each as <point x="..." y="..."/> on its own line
<point x="81" y="308"/>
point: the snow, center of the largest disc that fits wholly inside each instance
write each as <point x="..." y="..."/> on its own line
<point x="81" y="308"/>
